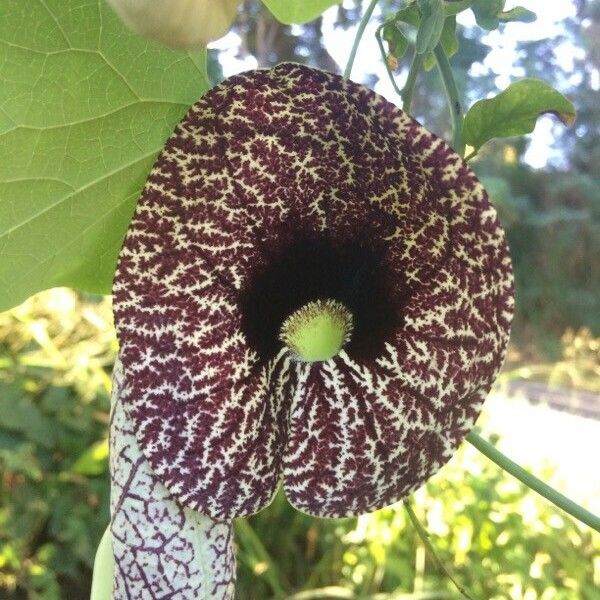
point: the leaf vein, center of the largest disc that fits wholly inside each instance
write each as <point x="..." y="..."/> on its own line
<point x="89" y="184"/>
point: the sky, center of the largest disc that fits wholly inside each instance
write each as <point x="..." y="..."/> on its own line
<point x="500" y="60"/>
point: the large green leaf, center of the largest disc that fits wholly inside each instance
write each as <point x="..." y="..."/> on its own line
<point x="298" y="11"/>
<point x="514" y="112"/>
<point x="85" y="106"/>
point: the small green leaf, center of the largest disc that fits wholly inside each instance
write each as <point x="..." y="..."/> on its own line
<point x="515" y="112"/>
<point x="456" y="6"/>
<point x="486" y="13"/>
<point x="85" y="107"/>
<point x="298" y="11"/>
<point x="448" y="40"/>
<point x="392" y="32"/>
<point x="430" y="28"/>
<point x="397" y="41"/>
<point x="518" y="14"/>
<point x="409" y="15"/>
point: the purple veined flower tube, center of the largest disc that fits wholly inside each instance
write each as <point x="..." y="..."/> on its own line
<point x="161" y="549"/>
<point x="285" y="198"/>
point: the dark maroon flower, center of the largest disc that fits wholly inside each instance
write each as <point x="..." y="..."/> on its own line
<point x="280" y="188"/>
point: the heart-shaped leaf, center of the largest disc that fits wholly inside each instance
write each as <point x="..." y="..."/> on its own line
<point x="85" y="106"/>
<point x="297" y="11"/>
<point x="515" y="112"/>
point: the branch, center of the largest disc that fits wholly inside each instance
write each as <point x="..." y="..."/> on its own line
<point x="531" y="481"/>
<point x="453" y="98"/>
<point x="427" y="542"/>
<point x="385" y="62"/>
<point x="409" y="86"/>
<point x="359" y="33"/>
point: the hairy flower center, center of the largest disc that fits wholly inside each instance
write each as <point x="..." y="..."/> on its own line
<point x="318" y="330"/>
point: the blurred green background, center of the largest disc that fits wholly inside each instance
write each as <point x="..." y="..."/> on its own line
<point x="497" y="538"/>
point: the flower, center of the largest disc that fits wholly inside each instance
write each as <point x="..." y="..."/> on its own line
<point x="178" y="23"/>
<point x="286" y="187"/>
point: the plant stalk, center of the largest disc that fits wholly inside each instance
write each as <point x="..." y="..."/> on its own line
<point x="359" y="33"/>
<point x="409" y="87"/>
<point x="427" y="542"/>
<point x="531" y="481"/>
<point x="454" y="104"/>
<point x="385" y="62"/>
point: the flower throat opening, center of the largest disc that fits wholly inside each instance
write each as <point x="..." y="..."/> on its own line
<point x="310" y="269"/>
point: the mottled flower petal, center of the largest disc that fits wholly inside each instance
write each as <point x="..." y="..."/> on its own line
<point x="207" y="410"/>
<point x="365" y="434"/>
<point x="363" y="437"/>
<point x="281" y="187"/>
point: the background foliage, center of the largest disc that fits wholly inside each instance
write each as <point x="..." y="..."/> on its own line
<point x="499" y="539"/>
<point x="57" y="349"/>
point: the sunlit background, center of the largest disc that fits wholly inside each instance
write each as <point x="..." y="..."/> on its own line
<point x="497" y="539"/>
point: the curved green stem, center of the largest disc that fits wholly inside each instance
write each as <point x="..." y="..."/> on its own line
<point x="359" y="33"/>
<point x="409" y="86"/>
<point x="427" y="542"/>
<point x="533" y="482"/>
<point x="385" y="62"/>
<point x="454" y="104"/>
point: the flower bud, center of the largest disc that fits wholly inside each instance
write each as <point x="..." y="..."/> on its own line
<point x="178" y="23"/>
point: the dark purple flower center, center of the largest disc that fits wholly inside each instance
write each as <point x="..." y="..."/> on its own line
<point x="310" y="268"/>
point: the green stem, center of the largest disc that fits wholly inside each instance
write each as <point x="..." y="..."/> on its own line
<point x="453" y="98"/>
<point x="427" y="542"/>
<point x="359" y="33"/>
<point x="409" y="86"/>
<point x="533" y="482"/>
<point x="385" y="62"/>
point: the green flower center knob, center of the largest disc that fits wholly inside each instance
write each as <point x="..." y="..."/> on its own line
<point x="318" y="330"/>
